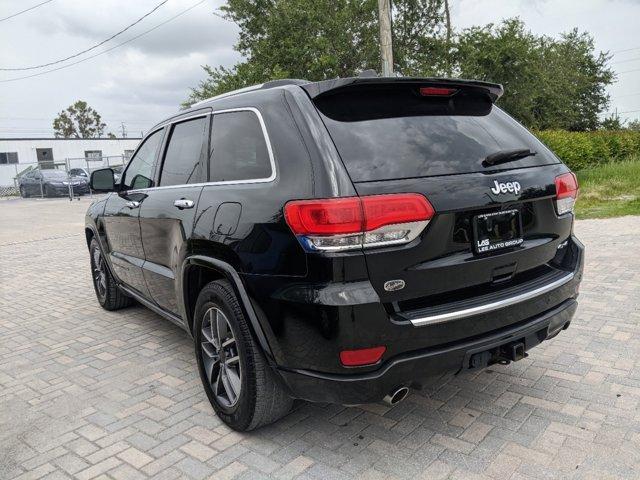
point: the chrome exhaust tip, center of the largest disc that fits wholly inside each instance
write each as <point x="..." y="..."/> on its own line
<point x="396" y="396"/>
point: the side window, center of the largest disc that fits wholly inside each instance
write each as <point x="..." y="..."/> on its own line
<point x="139" y="173"/>
<point x="238" y="148"/>
<point x="182" y="160"/>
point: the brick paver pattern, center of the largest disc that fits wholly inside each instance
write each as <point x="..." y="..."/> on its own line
<point x="86" y="393"/>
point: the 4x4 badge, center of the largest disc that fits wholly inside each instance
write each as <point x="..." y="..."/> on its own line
<point x="393" y="285"/>
<point x="511" y="187"/>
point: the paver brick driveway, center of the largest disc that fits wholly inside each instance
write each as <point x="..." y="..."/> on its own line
<point x="87" y="393"/>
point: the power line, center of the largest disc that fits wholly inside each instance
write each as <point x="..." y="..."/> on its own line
<point x="625" y="61"/>
<point x="626" y="50"/>
<point x="619" y="113"/>
<point x="90" y="48"/>
<point x="24" y="11"/>
<point x="629" y="71"/>
<point x="108" y="49"/>
<point x="627" y="95"/>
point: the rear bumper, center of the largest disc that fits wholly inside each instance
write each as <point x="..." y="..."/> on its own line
<point x="420" y="365"/>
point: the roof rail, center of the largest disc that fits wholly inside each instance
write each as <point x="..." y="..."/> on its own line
<point x="261" y="86"/>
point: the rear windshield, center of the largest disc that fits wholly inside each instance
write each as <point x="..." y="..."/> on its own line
<point x="430" y="145"/>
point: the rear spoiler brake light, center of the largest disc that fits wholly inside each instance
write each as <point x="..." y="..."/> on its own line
<point x="492" y="90"/>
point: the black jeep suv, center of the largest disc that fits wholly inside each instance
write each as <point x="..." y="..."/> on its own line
<point x="341" y="241"/>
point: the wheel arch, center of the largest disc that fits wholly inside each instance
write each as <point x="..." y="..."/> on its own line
<point x="89" y="234"/>
<point x="211" y="269"/>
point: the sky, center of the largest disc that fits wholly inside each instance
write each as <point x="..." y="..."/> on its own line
<point x="146" y="79"/>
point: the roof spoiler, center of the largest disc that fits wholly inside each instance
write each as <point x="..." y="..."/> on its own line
<point x="493" y="90"/>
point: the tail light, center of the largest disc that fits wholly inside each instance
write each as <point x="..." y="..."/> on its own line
<point x="335" y="224"/>
<point x="566" y="192"/>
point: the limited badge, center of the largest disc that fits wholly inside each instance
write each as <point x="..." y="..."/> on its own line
<point x="393" y="285"/>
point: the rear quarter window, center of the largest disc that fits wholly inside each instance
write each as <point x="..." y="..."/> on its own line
<point x="431" y="145"/>
<point x="239" y="150"/>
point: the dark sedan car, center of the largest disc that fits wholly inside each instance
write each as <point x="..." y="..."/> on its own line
<point x="51" y="183"/>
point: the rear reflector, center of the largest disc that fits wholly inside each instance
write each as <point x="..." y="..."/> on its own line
<point x="437" y="91"/>
<point x="566" y="192"/>
<point x="349" y="223"/>
<point x="362" y="356"/>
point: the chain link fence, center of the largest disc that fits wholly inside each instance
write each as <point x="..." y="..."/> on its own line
<point x="34" y="179"/>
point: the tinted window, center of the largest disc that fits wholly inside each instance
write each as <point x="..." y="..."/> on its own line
<point x="182" y="160"/>
<point x="8" y="157"/>
<point x="417" y="146"/>
<point x="239" y="148"/>
<point x="139" y="173"/>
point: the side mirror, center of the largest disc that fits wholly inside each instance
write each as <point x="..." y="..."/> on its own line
<point x="102" y="180"/>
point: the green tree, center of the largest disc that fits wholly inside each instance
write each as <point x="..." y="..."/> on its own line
<point x="634" y="125"/>
<point x="78" y="121"/>
<point x="575" y="81"/>
<point x="506" y="54"/>
<point x="612" y="122"/>
<point x="549" y="83"/>
<point x="314" y="39"/>
<point x="321" y="39"/>
<point x="421" y="38"/>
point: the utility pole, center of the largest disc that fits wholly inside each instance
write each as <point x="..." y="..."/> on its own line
<point x="386" y="51"/>
<point x="447" y="20"/>
<point x="124" y="130"/>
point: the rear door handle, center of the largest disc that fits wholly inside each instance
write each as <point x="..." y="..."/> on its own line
<point x="183" y="203"/>
<point x="132" y="204"/>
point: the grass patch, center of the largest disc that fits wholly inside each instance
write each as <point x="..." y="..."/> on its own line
<point x="609" y="190"/>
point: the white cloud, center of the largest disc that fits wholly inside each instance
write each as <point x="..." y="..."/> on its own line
<point x="139" y="83"/>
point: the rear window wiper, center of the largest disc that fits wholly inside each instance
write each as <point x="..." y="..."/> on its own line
<point x="505" y="156"/>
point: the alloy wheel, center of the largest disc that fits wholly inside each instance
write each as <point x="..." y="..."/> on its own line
<point x="221" y="357"/>
<point x="99" y="271"/>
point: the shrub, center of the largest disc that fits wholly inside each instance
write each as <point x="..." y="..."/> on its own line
<point x="586" y="149"/>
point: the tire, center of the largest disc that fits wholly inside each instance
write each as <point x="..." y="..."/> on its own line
<point x="108" y="294"/>
<point x="23" y="192"/>
<point x="261" y="398"/>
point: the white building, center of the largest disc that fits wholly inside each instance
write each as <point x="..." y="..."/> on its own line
<point x="18" y="154"/>
<point x="33" y="150"/>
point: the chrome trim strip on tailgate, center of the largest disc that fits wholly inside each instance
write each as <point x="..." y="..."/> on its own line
<point x="487" y="307"/>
